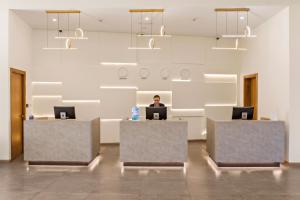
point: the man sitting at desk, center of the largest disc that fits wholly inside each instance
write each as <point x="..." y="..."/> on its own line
<point x="157" y="103"/>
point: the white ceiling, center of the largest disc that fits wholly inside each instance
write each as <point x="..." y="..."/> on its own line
<point x="178" y="16"/>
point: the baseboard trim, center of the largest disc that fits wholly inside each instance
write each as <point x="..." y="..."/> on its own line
<point x="109" y="144"/>
<point x="248" y="164"/>
<point x="4" y="158"/>
<point x="58" y="163"/>
<point x="293" y="164"/>
<point x="153" y="164"/>
<point x="189" y="141"/>
<point x="197" y="140"/>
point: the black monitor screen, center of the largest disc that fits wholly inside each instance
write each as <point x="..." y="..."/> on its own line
<point x="156" y="113"/>
<point x="237" y="112"/>
<point x="69" y="111"/>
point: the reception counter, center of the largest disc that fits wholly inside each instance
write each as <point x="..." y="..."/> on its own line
<point x="61" y="141"/>
<point x="246" y="143"/>
<point x="153" y="143"/>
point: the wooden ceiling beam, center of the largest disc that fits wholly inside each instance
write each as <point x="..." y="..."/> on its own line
<point x="232" y="9"/>
<point x="63" y="11"/>
<point x="145" y="10"/>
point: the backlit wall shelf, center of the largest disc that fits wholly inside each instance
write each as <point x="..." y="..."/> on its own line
<point x="220" y="105"/>
<point x="198" y="112"/>
<point x="220" y="78"/>
<point x="46" y="83"/>
<point x="146" y="105"/>
<point x="119" y="87"/>
<point x="81" y="101"/>
<point x="111" y="120"/>
<point x="47" y="96"/>
<point x="145" y="98"/>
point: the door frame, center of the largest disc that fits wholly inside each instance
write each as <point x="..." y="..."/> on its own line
<point x="251" y="76"/>
<point x="23" y="74"/>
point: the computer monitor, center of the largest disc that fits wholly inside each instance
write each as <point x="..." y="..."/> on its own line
<point x="157" y="113"/>
<point x="64" y="112"/>
<point x="245" y="113"/>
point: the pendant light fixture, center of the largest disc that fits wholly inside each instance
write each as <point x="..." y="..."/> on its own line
<point x="78" y="33"/>
<point x="151" y="41"/>
<point x="68" y="43"/>
<point x="236" y="36"/>
<point x="247" y="33"/>
<point x="162" y="30"/>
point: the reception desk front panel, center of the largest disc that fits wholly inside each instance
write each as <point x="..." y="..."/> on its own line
<point x="153" y="142"/>
<point x="61" y="141"/>
<point x="246" y="143"/>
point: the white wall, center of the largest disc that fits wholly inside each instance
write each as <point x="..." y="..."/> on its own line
<point x="4" y="86"/>
<point x="294" y="133"/>
<point x="268" y="55"/>
<point x="20" y="49"/>
<point x="15" y="51"/>
<point x="82" y="75"/>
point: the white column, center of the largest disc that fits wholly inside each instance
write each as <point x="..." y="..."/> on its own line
<point x="4" y="87"/>
<point x="294" y="118"/>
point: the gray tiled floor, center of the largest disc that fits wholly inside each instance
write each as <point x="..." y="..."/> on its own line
<point x="108" y="183"/>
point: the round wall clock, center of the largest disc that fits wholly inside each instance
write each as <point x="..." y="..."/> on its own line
<point x="185" y="74"/>
<point x="144" y="73"/>
<point x="164" y="73"/>
<point x="123" y="73"/>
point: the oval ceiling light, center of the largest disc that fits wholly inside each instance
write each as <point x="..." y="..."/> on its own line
<point x="68" y="43"/>
<point x="162" y="30"/>
<point x="151" y="43"/>
<point x="80" y="31"/>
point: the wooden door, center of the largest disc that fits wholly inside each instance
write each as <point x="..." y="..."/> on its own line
<point x="17" y="100"/>
<point x="251" y="92"/>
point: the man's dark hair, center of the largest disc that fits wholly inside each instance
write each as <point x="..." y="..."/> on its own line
<point x="156" y="96"/>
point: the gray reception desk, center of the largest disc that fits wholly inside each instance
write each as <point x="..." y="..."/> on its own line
<point x="153" y="143"/>
<point x="74" y="142"/>
<point x="246" y="143"/>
